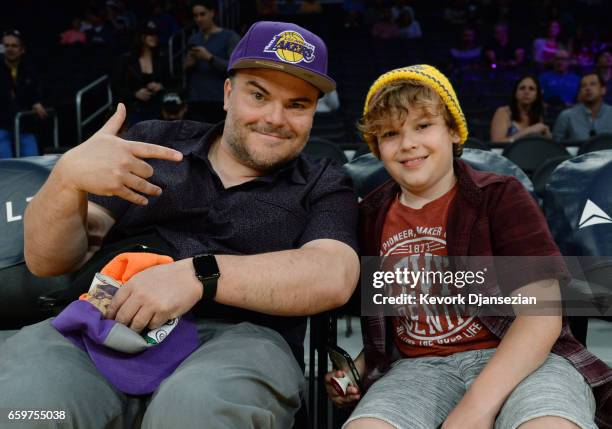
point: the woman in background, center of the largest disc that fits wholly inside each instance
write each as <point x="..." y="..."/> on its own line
<point x="524" y="115"/>
<point x="141" y="76"/>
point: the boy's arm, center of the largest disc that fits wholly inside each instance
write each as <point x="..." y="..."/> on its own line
<point x="523" y="349"/>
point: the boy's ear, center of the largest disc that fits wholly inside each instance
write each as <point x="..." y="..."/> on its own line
<point x="455" y="137"/>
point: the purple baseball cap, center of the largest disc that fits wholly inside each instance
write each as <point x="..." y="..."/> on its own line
<point x="119" y="353"/>
<point x="285" y="47"/>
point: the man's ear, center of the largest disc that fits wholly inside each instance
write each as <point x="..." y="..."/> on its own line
<point x="227" y="90"/>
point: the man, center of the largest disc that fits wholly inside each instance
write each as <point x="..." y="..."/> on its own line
<point x="501" y="52"/>
<point x="560" y="86"/>
<point x="173" y="107"/>
<point x="19" y="91"/>
<point x="206" y="62"/>
<point x="603" y="67"/>
<point x="262" y="237"/>
<point x="590" y="117"/>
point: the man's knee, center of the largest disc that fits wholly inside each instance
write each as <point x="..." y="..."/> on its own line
<point x="176" y="404"/>
<point x="548" y="422"/>
<point x="369" y="423"/>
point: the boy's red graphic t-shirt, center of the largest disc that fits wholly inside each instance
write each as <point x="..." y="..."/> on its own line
<point x="415" y="239"/>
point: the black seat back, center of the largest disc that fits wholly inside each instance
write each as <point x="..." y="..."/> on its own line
<point x="20" y="292"/>
<point x="532" y="151"/>
<point x="321" y="148"/>
<point x="542" y="174"/>
<point x="600" y="142"/>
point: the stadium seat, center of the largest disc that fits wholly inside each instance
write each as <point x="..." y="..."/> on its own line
<point x="578" y="206"/>
<point x="329" y="126"/>
<point x="20" y="296"/>
<point x="474" y="143"/>
<point x="321" y="148"/>
<point x="541" y="175"/>
<point x="531" y="151"/>
<point x="600" y="142"/>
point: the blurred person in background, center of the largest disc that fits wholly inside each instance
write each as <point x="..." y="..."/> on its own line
<point x="310" y="6"/>
<point x="501" y="52"/>
<point x="206" y="63"/>
<point x="20" y="90"/>
<point x="385" y="28"/>
<point x="165" y="22"/>
<point x="545" y="48"/>
<point x="409" y="28"/>
<point x="560" y="85"/>
<point x="141" y="76"/>
<point x="523" y="116"/>
<point x="469" y="52"/>
<point x="266" y="8"/>
<point x="590" y="117"/>
<point x="74" y="34"/>
<point x="603" y="67"/>
<point x="173" y="107"/>
<point x="99" y="32"/>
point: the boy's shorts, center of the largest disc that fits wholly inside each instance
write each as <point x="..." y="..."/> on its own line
<point x="419" y="393"/>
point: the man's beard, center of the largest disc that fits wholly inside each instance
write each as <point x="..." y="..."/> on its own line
<point x="235" y="136"/>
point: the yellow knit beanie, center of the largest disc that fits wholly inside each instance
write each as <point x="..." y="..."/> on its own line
<point x="431" y="77"/>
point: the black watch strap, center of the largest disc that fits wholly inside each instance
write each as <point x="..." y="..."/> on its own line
<point x="207" y="272"/>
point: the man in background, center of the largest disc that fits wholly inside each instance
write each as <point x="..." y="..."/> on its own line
<point x="590" y="117"/>
<point x="206" y="63"/>
<point x="20" y="90"/>
<point x="173" y="107"/>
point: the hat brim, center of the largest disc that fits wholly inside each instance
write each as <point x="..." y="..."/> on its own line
<point x="324" y="83"/>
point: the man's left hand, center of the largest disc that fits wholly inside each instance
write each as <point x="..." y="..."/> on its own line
<point x="155" y="295"/>
<point x="40" y="110"/>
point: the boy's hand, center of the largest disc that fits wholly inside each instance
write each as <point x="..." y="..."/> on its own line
<point x="352" y="392"/>
<point x="469" y="415"/>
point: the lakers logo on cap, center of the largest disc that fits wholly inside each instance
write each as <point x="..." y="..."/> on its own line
<point x="290" y="46"/>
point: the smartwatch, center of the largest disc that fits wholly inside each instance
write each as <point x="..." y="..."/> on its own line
<point x="207" y="272"/>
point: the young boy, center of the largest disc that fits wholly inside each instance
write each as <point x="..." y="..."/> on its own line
<point x="496" y="371"/>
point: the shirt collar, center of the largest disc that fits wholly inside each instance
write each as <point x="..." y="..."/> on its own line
<point x="291" y="170"/>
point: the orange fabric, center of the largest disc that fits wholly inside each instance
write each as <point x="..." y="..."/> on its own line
<point x="125" y="265"/>
<point x="436" y="330"/>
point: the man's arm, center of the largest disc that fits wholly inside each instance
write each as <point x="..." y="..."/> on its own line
<point x="561" y="127"/>
<point x="523" y="349"/>
<point x="61" y="229"/>
<point x="319" y="276"/>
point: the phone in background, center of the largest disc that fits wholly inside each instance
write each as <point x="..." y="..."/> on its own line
<point x="342" y="361"/>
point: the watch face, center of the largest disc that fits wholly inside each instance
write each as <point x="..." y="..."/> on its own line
<point x="206" y="266"/>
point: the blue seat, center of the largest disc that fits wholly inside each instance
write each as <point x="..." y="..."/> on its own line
<point x="578" y="206"/>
